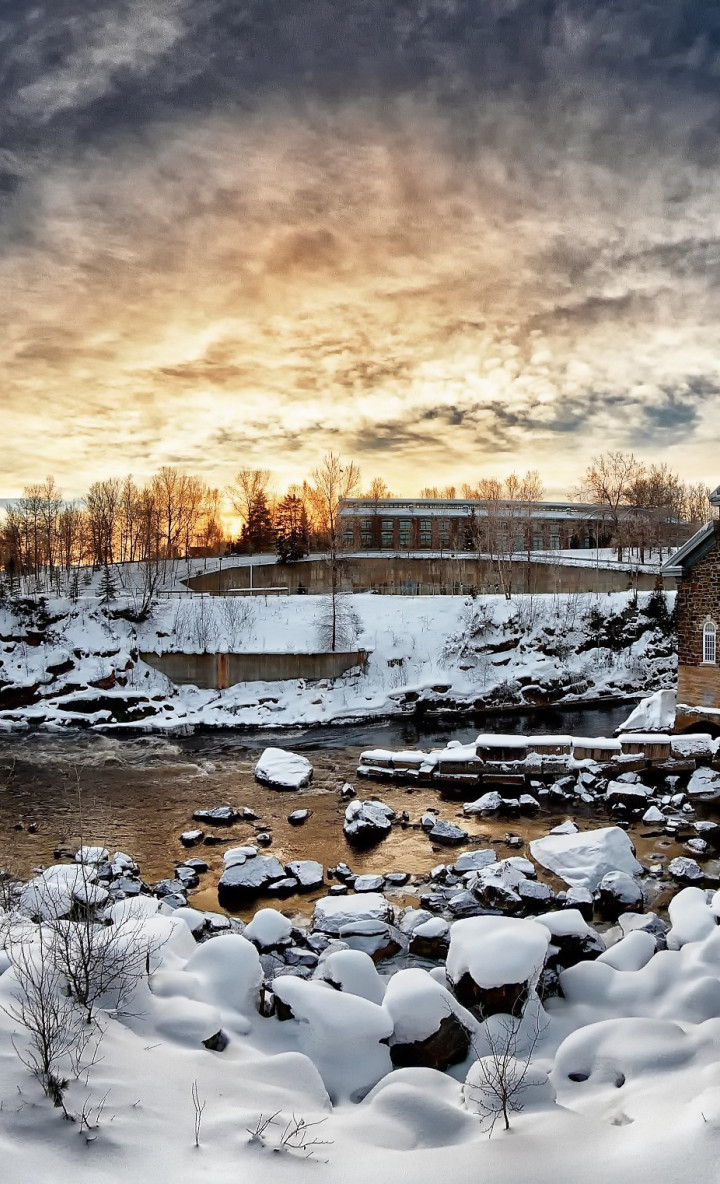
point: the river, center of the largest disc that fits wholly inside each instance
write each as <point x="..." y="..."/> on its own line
<point x="138" y="795"/>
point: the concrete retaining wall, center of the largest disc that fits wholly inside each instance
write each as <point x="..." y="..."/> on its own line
<point x="427" y="577"/>
<point x="217" y="671"/>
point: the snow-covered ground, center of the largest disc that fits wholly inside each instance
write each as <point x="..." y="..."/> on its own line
<point x="616" y="1079"/>
<point x="64" y="664"/>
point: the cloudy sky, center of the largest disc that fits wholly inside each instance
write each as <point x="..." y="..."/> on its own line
<point x="448" y="238"/>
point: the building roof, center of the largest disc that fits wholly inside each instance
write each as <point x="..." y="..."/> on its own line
<point x="715" y="497"/>
<point x="691" y="552"/>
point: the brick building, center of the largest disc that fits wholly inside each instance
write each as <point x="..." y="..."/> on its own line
<point x="494" y="527"/>
<point x="697" y="565"/>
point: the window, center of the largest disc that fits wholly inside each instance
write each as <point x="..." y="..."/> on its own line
<point x="425" y="532"/>
<point x="405" y="532"/>
<point x="710" y="642"/>
<point x="538" y="542"/>
<point x="444" y="532"/>
<point x="554" y="540"/>
<point x="387" y="540"/>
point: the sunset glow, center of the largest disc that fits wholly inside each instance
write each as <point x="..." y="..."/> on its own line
<point x="253" y="254"/>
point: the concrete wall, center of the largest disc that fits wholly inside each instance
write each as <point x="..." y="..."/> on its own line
<point x="397" y="574"/>
<point x="217" y="671"/>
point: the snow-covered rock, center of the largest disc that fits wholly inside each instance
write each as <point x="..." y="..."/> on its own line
<point x="269" y="930"/>
<point x="352" y="971"/>
<point x="686" y="870"/>
<point x="367" y="822"/>
<point x="427" y="1029"/>
<point x="656" y="713"/>
<point x="473" y="861"/>
<point x="308" y="873"/>
<point x="344" y="1035"/>
<point x="447" y="834"/>
<point x="619" y="893"/>
<point x="493" y="962"/>
<point x="704" y="785"/>
<point x="488" y="803"/>
<point x="242" y="882"/>
<point x="583" y="859"/>
<point x="280" y="769"/>
<point x="337" y="916"/>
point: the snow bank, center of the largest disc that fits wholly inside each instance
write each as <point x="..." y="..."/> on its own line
<point x="654" y="714"/>
<point x="341" y="1033"/>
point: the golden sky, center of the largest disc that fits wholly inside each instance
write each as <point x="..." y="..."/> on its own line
<point x="440" y="284"/>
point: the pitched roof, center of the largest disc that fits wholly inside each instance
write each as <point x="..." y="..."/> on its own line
<point x="691" y="552"/>
<point x="715" y="496"/>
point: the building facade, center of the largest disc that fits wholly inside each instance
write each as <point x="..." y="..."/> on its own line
<point x="489" y="527"/>
<point x="697" y="566"/>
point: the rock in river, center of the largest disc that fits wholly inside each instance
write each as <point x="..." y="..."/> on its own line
<point x="242" y="882"/>
<point x="280" y="769"/>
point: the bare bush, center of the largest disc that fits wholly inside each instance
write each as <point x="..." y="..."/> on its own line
<point x="338" y="625"/>
<point x="504" y="1069"/>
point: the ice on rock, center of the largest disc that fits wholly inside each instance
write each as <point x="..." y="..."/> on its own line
<point x="686" y="870"/>
<point x="280" y="769"/>
<point x="344" y="1035"/>
<point x="269" y="929"/>
<point x="582" y="859"/>
<point x="352" y="971"/>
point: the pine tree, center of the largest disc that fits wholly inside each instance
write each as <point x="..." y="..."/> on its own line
<point x="292" y="535"/>
<point x="108" y="590"/>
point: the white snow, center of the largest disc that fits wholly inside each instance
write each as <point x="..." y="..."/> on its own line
<point x="583" y="859"/>
<point x="268" y="928"/>
<point x="343" y="914"/>
<point x="283" y="770"/>
<point x="496" y="951"/>
<point x="656" y="713"/>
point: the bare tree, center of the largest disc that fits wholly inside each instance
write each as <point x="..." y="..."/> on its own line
<point x="608" y="481"/>
<point x="333" y="481"/>
<point x="502" y="1074"/>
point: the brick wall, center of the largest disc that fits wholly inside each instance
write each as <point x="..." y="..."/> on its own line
<point x="698" y="598"/>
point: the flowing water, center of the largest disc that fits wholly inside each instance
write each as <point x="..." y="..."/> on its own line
<point x="138" y="795"/>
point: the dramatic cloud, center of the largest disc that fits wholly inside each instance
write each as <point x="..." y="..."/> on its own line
<point x="449" y="239"/>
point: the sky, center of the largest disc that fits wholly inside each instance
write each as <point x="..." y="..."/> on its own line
<point x="445" y="238"/>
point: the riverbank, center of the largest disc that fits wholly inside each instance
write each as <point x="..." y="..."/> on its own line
<point x="79" y="666"/>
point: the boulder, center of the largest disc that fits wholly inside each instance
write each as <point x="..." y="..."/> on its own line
<point x="704" y="785"/>
<point x="431" y="939"/>
<point x="619" y="893"/>
<point x="217" y="816"/>
<point x="427" y="1030"/>
<point x="298" y="817"/>
<point x="583" y="859"/>
<point x="338" y="917"/>
<point x="308" y="873"/>
<point x="474" y="861"/>
<point x="494" y="962"/>
<point x="368" y="883"/>
<point x="242" y="882"/>
<point x="489" y="803"/>
<point x="280" y="769"/>
<point x="367" y="822"/>
<point x="686" y="870"/>
<point x="269" y="930"/>
<point x="190" y="838"/>
<point x="447" y="834"/>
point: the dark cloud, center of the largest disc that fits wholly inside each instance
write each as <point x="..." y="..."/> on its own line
<point x="421" y="231"/>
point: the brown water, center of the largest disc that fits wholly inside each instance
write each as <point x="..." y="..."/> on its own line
<point x="138" y="796"/>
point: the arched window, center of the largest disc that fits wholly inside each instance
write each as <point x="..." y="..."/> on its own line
<point x="710" y="642"/>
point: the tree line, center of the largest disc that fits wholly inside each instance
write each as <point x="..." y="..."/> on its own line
<point x="175" y="514"/>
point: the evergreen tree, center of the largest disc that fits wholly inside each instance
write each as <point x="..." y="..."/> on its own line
<point x="108" y="589"/>
<point x="292" y="534"/>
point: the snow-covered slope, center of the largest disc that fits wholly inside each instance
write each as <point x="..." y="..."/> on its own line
<point x="65" y="664"/>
